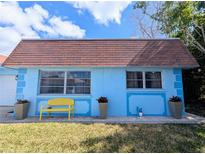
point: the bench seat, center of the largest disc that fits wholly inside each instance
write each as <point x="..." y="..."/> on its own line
<point x="57" y="110"/>
<point x="58" y="105"/>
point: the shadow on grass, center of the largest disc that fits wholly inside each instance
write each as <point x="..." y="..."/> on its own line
<point x="150" y="138"/>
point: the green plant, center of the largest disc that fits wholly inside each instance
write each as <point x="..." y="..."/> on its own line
<point x="21" y="101"/>
<point x="175" y="99"/>
<point x="102" y="100"/>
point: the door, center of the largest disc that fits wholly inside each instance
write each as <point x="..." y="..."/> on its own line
<point x="7" y="90"/>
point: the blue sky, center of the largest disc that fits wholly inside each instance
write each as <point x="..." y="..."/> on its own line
<point x="86" y="21"/>
<point x="64" y="20"/>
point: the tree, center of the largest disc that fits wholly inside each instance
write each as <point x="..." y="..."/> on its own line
<point x="146" y="29"/>
<point x="185" y="20"/>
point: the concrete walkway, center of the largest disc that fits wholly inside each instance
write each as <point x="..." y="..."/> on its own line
<point x="188" y="119"/>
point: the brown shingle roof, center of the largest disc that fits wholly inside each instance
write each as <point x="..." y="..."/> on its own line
<point x="2" y="58"/>
<point x="104" y="52"/>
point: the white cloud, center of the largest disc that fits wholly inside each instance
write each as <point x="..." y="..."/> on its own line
<point x="8" y="39"/>
<point x="103" y="11"/>
<point x="37" y="16"/>
<point x="66" y="28"/>
<point x="11" y="14"/>
<point x="17" y="23"/>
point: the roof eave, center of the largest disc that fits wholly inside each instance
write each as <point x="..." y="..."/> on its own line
<point x="99" y="66"/>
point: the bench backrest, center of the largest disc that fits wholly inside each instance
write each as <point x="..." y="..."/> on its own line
<point x="61" y="102"/>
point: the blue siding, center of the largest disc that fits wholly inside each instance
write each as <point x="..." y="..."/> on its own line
<point x="82" y="106"/>
<point x="149" y="107"/>
<point x="179" y="84"/>
<point x="109" y="82"/>
<point x="21" y="83"/>
<point x="7" y="71"/>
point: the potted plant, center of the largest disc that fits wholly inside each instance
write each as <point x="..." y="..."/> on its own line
<point x="175" y="106"/>
<point x="21" y="109"/>
<point x="103" y="107"/>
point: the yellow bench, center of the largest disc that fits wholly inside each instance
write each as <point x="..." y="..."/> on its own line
<point x="65" y="105"/>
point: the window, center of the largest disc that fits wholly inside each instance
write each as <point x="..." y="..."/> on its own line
<point x="61" y="82"/>
<point x="78" y="83"/>
<point x="52" y="82"/>
<point x="153" y="79"/>
<point x="134" y="80"/>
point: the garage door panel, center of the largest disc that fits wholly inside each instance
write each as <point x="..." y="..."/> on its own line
<point x="7" y="90"/>
<point x="151" y="104"/>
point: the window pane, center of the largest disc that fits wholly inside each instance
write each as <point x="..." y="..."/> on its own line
<point x="153" y="80"/>
<point x="70" y="90"/>
<point x="153" y="75"/>
<point x="134" y="84"/>
<point x="52" y="82"/>
<point x="87" y="90"/>
<point x="51" y="90"/>
<point x="49" y="74"/>
<point x="153" y="84"/>
<point x="134" y="75"/>
<point x="78" y="74"/>
<point x="78" y="82"/>
<point x="134" y="80"/>
<point x="78" y="90"/>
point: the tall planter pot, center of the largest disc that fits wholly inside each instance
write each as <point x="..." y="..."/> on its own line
<point x="103" y="110"/>
<point x="176" y="109"/>
<point x="21" y="109"/>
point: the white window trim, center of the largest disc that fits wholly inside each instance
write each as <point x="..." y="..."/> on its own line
<point x="65" y="83"/>
<point x="134" y="79"/>
<point x="144" y="80"/>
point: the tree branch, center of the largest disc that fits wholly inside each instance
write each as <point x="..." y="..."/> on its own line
<point x="202" y="49"/>
<point x="203" y="33"/>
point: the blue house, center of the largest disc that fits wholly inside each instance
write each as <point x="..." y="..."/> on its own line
<point x="131" y="73"/>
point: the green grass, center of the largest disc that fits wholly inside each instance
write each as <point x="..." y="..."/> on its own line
<point x="65" y="137"/>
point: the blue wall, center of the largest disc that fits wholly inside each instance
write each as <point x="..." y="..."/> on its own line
<point x="109" y="82"/>
<point x="7" y="71"/>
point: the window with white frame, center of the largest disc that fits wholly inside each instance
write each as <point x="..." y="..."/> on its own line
<point x="78" y="83"/>
<point x="149" y="80"/>
<point x="134" y="79"/>
<point x="153" y="79"/>
<point x="61" y="82"/>
<point x="52" y="82"/>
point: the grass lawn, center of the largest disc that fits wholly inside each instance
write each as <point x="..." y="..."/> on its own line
<point x="65" y="137"/>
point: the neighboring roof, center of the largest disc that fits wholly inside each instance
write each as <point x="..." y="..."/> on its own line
<point x="102" y="53"/>
<point x="2" y="58"/>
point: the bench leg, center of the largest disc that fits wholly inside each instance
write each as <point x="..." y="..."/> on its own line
<point x="40" y="118"/>
<point x="69" y="115"/>
<point x="73" y="112"/>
